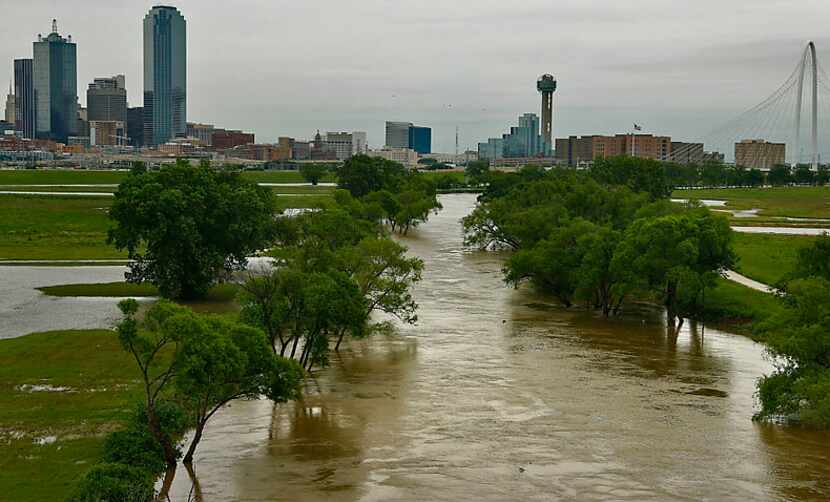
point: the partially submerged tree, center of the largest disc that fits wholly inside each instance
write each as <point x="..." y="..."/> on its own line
<point x="184" y="227"/>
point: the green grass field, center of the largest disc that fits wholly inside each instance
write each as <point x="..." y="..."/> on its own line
<point x="797" y="202"/>
<point x="736" y="308"/>
<point x="767" y="258"/>
<point x="101" y="387"/>
<point x="54" y="228"/>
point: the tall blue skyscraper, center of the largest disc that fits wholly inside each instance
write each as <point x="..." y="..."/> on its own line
<point x="55" y="71"/>
<point x="24" y="97"/>
<point x="165" y="75"/>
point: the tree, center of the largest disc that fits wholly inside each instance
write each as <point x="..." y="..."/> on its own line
<point x="661" y="254"/>
<point x="779" y="175"/>
<point x="477" y="171"/>
<point x="201" y="363"/>
<point x="803" y="175"/>
<point x="799" y="339"/>
<point x="361" y="175"/>
<point x="184" y="227"/>
<point x="640" y="175"/>
<point x="813" y="260"/>
<point x="224" y="361"/>
<point x="313" y="173"/>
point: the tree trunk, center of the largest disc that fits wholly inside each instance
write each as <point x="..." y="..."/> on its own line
<point x="162" y="438"/>
<point x="197" y="436"/>
<point x="164" y="492"/>
<point x="339" y="339"/>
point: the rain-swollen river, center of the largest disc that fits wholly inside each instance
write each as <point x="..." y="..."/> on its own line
<point x="498" y="395"/>
<point x="495" y="394"/>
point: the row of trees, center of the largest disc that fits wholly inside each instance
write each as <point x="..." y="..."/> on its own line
<point x="799" y="340"/>
<point x="598" y="237"/>
<point x="185" y="229"/>
<point x="713" y="174"/>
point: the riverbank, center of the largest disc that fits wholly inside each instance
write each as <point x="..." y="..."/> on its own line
<point x="60" y="393"/>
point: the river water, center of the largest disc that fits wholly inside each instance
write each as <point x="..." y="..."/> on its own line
<point x="498" y="395"/>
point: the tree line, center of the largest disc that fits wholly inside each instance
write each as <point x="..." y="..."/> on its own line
<point x="330" y="270"/>
<point x="714" y="174"/>
<point x="599" y="237"/>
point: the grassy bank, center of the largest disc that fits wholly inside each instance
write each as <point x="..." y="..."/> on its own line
<point x="797" y="202"/>
<point x="736" y="308"/>
<point x="54" y="228"/>
<point x="767" y="257"/>
<point x="66" y="389"/>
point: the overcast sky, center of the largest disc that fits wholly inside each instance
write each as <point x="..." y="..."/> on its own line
<point x="287" y="68"/>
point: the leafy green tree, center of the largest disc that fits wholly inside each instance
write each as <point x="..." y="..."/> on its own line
<point x="803" y="175"/>
<point x="813" y="260"/>
<point x="640" y="175"/>
<point x="799" y="339"/>
<point x="361" y="175"/>
<point x="822" y="176"/>
<point x="184" y="227"/>
<point x="779" y="176"/>
<point x="661" y="254"/>
<point x="477" y="171"/>
<point x="754" y="178"/>
<point x="313" y="173"/>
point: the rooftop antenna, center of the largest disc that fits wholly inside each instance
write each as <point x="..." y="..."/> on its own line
<point x="54" y="26"/>
<point x="456" y="142"/>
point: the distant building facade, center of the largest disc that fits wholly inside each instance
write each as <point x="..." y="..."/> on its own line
<point x="165" y="75"/>
<point x="360" y="144"/>
<point x="107" y="133"/>
<point x="202" y="132"/>
<point x="759" y="154"/>
<point x="341" y="142"/>
<point x="135" y="126"/>
<point x="106" y="99"/>
<point x="55" y="86"/>
<point x="575" y="150"/>
<point x="405" y="156"/>
<point x="24" y="92"/>
<point x="260" y="152"/>
<point x="420" y="139"/>
<point x="408" y="135"/>
<point x="523" y="141"/>
<point x="11" y="112"/>
<point x="223" y="140"/>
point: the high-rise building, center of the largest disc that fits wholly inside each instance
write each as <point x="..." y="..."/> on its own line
<point x="106" y="99"/>
<point x="24" y="97"/>
<point x="165" y="75"/>
<point x="522" y="141"/>
<point x="55" y="71"/>
<point x="759" y="154"/>
<point x="341" y="143"/>
<point x="11" y="113"/>
<point x="360" y="144"/>
<point x="135" y="126"/>
<point x="577" y="150"/>
<point x="397" y="134"/>
<point x="420" y="139"/>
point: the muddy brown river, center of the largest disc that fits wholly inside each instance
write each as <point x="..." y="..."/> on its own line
<point x="498" y="395"/>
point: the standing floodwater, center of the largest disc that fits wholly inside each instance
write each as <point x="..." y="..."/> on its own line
<point x="498" y="395"/>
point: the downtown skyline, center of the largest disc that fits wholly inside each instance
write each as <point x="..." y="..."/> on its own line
<point x="273" y="73"/>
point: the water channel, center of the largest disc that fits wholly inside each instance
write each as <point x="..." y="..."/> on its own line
<point x="495" y="394"/>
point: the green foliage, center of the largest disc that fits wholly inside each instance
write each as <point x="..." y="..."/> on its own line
<point x="135" y="445"/>
<point x="478" y="171"/>
<point x="813" y="260"/>
<point x="361" y="175"/>
<point x="114" y="483"/>
<point x="799" y="339"/>
<point x="779" y="176"/>
<point x="183" y="227"/>
<point x="640" y="175"/>
<point x="313" y="173"/>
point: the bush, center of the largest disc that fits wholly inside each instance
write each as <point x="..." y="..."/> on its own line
<point x="114" y="483"/>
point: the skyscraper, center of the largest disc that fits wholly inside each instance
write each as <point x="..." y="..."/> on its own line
<point x="11" y="112"/>
<point x="56" y="86"/>
<point x="24" y="97"/>
<point x="397" y="134"/>
<point x="106" y="99"/>
<point x="165" y="75"/>
<point x="420" y="139"/>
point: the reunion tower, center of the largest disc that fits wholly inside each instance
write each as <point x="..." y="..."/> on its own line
<point x="547" y="85"/>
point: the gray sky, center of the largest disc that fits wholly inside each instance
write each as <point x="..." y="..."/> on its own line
<point x="287" y="68"/>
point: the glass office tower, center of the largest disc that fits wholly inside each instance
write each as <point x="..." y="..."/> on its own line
<point x="165" y="75"/>
<point x="55" y="71"/>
